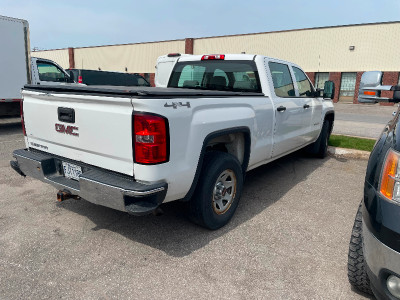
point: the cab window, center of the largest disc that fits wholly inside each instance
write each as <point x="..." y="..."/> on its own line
<point x="191" y="76"/>
<point x="217" y="75"/>
<point x="303" y="84"/>
<point x="50" y="72"/>
<point x="282" y="80"/>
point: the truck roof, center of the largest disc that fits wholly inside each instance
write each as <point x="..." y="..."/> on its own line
<point x="14" y="19"/>
<point x="227" y="57"/>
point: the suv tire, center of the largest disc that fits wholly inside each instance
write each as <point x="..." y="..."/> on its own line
<point x="356" y="270"/>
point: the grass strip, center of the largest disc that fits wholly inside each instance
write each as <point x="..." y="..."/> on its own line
<point x="343" y="141"/>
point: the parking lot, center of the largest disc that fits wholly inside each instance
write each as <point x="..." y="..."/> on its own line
<point x="288" y="239"/>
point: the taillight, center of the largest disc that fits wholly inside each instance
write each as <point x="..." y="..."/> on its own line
<point x="80" y="79"/>
<point x="213" y="56"/>
<point x="22" y="117"/>
<point x="150" y="137"/>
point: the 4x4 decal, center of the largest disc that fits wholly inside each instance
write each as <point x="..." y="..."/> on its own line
<point x="175" y="105"/>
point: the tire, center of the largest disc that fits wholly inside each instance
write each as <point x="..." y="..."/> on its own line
<point x="356" y="270"/>
<point x="320" y="147"/>
<point x="218" y="191"/>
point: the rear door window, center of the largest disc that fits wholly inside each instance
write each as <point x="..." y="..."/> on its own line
<point x="282" y="80"/>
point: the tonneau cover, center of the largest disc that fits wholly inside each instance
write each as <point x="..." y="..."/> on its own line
<point x="139" y="91"/>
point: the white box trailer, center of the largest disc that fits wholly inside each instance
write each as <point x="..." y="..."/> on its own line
<point x="14" y="63"/>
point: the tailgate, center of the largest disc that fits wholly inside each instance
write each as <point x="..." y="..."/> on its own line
<point x="96" y="130"/>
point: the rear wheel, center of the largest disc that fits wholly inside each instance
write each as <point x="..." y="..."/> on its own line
<point x="218" y="191"/>
<point x="356" y="271"/>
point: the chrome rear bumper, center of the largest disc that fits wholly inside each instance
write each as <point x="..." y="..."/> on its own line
<point x="95" y="185"/>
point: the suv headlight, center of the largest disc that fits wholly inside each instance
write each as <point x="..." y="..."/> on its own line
<point x="390" y="179"/>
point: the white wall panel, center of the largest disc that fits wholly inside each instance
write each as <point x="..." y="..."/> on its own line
<point x="323" y="50"/>
<point x="137" y="58"/>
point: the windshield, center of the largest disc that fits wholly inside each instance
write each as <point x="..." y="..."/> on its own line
<point x="221" y="75"/>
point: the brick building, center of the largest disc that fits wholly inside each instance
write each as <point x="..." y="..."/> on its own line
<point x="338" y="53"/>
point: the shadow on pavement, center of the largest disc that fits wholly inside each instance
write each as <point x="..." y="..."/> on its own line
<point x="9" y="127"/>
<point x="175" y="235"/>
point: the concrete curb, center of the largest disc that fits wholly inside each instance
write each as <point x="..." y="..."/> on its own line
<point x="348" y="153"/>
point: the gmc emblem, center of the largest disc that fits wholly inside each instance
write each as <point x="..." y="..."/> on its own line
<point x="72" y="130"/>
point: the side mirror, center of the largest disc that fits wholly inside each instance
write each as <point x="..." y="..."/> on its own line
<point x="329" y="90"/>
<point x="371" y="87"/>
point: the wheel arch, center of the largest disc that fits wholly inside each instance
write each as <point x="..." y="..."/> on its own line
<point x="245" y="131"/>
<point x="330" y="116"/>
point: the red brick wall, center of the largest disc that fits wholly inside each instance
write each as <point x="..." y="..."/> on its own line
<point x="189" y="46"/>
<point x="336" y="77"/>
<point x="71" y="57"/>
<point x="152" y="76"/>
<point x="311" y="75"/>
<point x="389" y="78"/>
<point x="358" y="79"/>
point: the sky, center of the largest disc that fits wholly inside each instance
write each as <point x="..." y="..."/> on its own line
<point x="56" y="24"/>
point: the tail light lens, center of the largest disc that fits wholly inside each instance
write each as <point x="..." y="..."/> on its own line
<point x="150" y="136"/>
<point x="80" y="79"/>
<point x="390" y="179"/>
<point x="22" y="116"/>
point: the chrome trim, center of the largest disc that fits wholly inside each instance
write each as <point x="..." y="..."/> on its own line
<point x="377" y="255"/>
<point x="127" y="192"/>
<point x="59" y="186"/>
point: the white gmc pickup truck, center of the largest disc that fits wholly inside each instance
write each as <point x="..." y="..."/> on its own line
<point x="132" y="149"/>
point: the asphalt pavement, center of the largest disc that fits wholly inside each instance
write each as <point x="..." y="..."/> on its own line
<point x="364" y="120"/>
<point x="288" y="240"/>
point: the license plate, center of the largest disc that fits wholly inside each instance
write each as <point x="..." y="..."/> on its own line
<point x="71" y="171"/>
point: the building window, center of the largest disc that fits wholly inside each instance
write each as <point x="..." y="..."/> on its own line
<point x="320" y="79"/>
<point x="347" y="87"/>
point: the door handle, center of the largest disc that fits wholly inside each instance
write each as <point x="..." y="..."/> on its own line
<point x="305" y="106"/>
<point x="281" y="108"/>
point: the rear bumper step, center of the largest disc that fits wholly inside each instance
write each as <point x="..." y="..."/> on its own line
<point x="94" y="185"/>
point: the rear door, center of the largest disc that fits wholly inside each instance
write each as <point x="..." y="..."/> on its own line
<point x="93" y="129"/>
<point x="288" y="109"/>
<point x="312" y="105"/>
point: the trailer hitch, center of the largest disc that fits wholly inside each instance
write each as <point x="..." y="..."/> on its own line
<point x="64" y="195"/>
